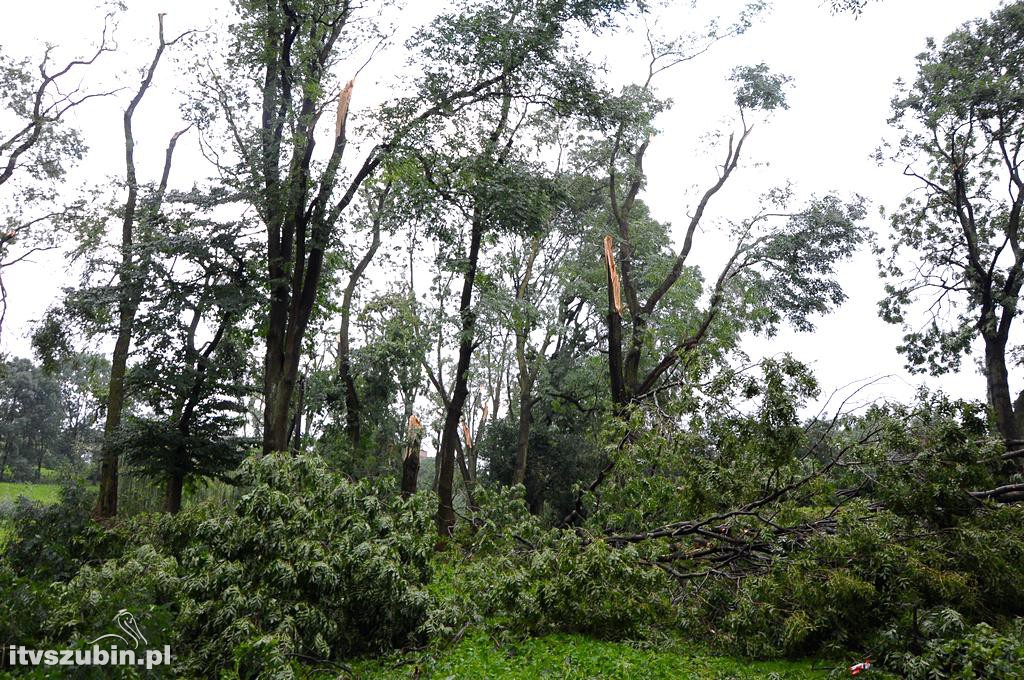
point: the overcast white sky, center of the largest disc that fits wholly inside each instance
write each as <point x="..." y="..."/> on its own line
<point x="843" y="71"/>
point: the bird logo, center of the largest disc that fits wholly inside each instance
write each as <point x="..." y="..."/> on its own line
<point x="126" y="622"/>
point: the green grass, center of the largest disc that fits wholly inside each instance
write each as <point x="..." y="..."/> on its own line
<point x="43" y="493"/>
<point x="479" y="655"/>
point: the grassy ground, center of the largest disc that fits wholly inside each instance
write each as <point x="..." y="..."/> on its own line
<point x="43" y="493"/>
<point x="479" y="655"/>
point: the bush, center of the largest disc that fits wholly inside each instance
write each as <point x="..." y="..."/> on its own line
<point x="309" y="566"/>
<point x="858" y="587"/>
<point x="960" y="652"/>
<point x="142" y="581"/>
<point x="50" y="542"/>
<point x="575" y="587"/>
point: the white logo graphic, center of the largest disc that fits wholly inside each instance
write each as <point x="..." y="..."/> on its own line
<point x="126" y="622"/>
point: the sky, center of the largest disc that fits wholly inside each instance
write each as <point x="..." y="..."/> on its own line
<point x="843" y="71"/>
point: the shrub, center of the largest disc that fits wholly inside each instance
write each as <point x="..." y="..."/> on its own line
<point x="142" y="581"/>
<point x="961" y="652"/>
<point x="309" y="566"/>
<point x="50" y="542"/>
<point x="570" y="586"/>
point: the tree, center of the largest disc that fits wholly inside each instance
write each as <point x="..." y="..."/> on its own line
<point x="38" y="146"/>
<point x="282" y="56"/>
<point x="378" y="211"/>
<point x="660" y="318"/>
<point x="139" y="218"/>
<point x="82" y="379"/>
<point x="782" y="264"/>
<point x="481" y="171"/>
<point x="525" y="299"/>
<point x="956" y="241"/>
<point x="194" y="344"/>
<point x="30" y="417"/>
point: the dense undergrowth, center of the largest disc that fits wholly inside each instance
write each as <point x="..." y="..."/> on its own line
<point x="309" y="573"/>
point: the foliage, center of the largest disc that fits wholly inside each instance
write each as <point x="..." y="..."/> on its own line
<point x="51" y="542"/>
<point x="309" y="565"/>
<point x="956" y="650"/>
<point x="30" y="418"/>
<point x="930" y="453"/>
<point x="562" y="452"/>
<point x="583" y="587"/>
<point x="141" y="580"/>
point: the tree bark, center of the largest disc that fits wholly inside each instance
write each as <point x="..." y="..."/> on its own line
<point x="523" y="436"/>
<point x="3" y="462"/>
<point x="173" y="491"/>
<point x="997" y="377"/>
<point x="300" y="409"/>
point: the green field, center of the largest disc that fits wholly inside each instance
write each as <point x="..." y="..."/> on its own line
<point x="479" y="655"/>
<point x="43" y="493"/>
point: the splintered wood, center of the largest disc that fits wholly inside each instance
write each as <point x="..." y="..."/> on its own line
<point x="343" y="100"/>
<point x="412" y="437"/>
<point x="613" y="275"/>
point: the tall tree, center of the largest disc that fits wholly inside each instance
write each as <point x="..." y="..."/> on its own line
<point x="956" y="241"/>
<point x="785" y="269"/>
<point x="522" y="47"/>
<point x="377" y="213"/>
<point x="281" y="60"/>
<point x="140" y="216"/>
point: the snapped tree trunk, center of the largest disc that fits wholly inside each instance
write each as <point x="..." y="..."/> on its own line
<point x="411" y="456"/>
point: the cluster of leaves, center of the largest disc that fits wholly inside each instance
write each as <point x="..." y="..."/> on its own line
<point x="529" y="579"/>
<point x="307" y="567"/>
<point x="309" y="564"/>
<point x="860" y="588"/>
<point x="51" y="542"/>
<point x="954" y="650"/>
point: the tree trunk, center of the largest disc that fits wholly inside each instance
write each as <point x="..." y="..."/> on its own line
<point x="411" y="457"/>
<point x="172" y="492"/>
<point x="107" y="504"/>
<point x="997" y="378"/>
<point x="279" y="381"/>
<point x="523" y="435"/>
<point x="300" y="409"/>
<point x="467" y="479"/>
<point x="450" y="434"/>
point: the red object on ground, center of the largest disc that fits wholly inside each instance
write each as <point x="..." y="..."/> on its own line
<point x="858" y="668"/>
